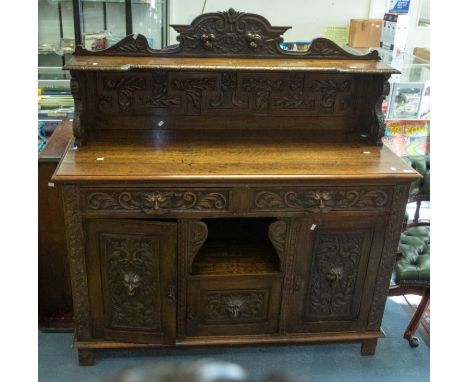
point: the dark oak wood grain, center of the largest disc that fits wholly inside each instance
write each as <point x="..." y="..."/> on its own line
<point x="122" y="64"/>
<point x="226" y="156"/>
<point x="227" y="192"/>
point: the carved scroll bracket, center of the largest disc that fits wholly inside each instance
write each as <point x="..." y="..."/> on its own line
<point x="198" y="233"/>
<point x="277" y="232"/>
<point x="378" y="124"/>
<point x="80" y="130"/>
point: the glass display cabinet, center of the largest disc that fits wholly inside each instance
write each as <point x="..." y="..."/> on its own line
<point x="410" y="91"/>
<point x="408" y="105"/>
<point x="95" y="24"/>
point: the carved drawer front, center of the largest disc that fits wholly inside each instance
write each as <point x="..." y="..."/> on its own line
<point x="233" y="305"/>
<point x="321" y="200"/>
<point x="156" y="202"/>
<point x="132" y="280"/>
<point x="332" y="282"/>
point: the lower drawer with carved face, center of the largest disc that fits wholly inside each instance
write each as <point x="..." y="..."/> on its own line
<point x="155" y="202"/>
<point x="233" y="305"/>
<point x="321" y="199"/>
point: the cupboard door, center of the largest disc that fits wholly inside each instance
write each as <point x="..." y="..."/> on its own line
<point x="334" y="273"/>
<point x="132" y="279"/>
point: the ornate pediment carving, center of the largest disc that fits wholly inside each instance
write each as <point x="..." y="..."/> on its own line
<point x="228" y="34"/>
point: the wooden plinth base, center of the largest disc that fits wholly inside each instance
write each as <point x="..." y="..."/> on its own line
<point x="368" y="347"/>
<point x="368" y="342"/>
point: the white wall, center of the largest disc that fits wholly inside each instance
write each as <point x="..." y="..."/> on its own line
<point x="307" y="17"/>
<point x="418" y="36"/>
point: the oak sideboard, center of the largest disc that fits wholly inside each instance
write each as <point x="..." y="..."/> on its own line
<point x="226" y="191"/>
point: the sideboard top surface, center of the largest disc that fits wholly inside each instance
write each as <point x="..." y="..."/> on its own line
<point x="220" y="156"/>
<point x="122" y="63"/>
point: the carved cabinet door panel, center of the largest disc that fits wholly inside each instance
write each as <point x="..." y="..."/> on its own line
<point x="334" y="272"/>
<point x="132" y="280"/>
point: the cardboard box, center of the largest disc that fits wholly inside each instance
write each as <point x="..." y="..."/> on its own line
<point x="95" y="41"/>
<point x="365" y="33"/>
<point x="394" y="32"/>
<point x="423" y="53"/>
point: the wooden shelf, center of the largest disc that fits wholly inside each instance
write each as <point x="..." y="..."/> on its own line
<point x="229" y="259"/>
<point x="93" y="63"/>
<point x="222" y="155"/>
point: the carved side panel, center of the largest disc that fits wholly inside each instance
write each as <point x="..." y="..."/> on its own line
<point x="321" y="200"/>
<point x="76" y="257"/>
<point x="334" y="274"/>
<point x="131" y="281"/>
<point x="230" y="307"/>
<point x="392" y="235"/>
<point x="288" y="269"/>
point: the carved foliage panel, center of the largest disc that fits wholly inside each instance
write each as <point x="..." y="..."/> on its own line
<point x="321" y="200"/>
<point x="334" y="275"/>
<point x="130" y="267"/>
<point x="156" y="202"/>
<point x="234" y="306"/>
<point x="208" y="93"/>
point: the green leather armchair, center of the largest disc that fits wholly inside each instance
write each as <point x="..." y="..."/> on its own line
<point x="411" y="272"/>
<point x="420" y="190"/>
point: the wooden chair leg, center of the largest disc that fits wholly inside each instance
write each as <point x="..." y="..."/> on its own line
<point x="414" y="323"/>
<point x="416" y="213"/>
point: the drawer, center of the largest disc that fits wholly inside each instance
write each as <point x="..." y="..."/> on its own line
<point x="160" y="201"/>
<point x="321" y="199"/>
<point x="233" y="305"/>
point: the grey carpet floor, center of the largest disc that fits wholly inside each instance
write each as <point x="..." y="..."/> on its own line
<point x="393" y="361"/>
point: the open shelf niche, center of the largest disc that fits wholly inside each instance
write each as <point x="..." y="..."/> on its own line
<point x="237" y="246"/>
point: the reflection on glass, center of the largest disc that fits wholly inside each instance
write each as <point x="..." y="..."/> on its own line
<point x="103" y="23"/>
<point x="55" y="32"/>
<point x="425" y="14"/>
<point x="149" y="19"/>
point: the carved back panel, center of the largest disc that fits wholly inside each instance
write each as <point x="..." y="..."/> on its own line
<point x="207" y="92"/>
<point x="220" y="93"/>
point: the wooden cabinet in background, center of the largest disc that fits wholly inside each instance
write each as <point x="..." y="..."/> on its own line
<point x="228" y="192"/>
<point x="55" y="298"/>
